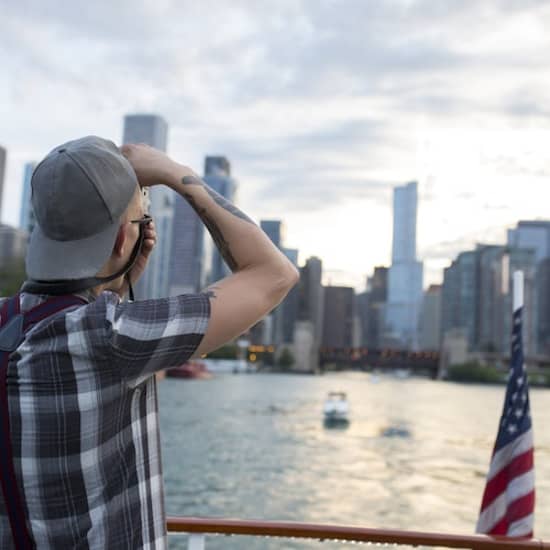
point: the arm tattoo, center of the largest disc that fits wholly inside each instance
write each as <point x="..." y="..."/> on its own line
<point x="218" y="199"/>
<point x="221" y="244"/>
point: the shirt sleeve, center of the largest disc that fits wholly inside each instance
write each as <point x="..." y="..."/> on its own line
<point x="147" y="336"/>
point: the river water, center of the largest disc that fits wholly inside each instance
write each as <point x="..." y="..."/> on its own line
<point x="414" y="456"/>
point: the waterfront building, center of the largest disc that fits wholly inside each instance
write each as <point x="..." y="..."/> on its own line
<point x="3" y="155"/>
<point x="430" y="319"/>
<point x="372" y="308"/>
<point x="477" y="297"/>
<point x="513" y="259"/>
<point x="339" y="317"/>
<point x="489" y="264"/>
<point x="189" y="263"/>
<point x="311" y="296"/>
<point x="217" y="174"/>
<point x="26" y="214"/>
<point x="542" y="297"/>
<point x="155" y="282"/>
<point x="535" y="235"/>
<point x="13" y="244"/>
<point x="406" y="272"/>
<point x="459" y="296"/>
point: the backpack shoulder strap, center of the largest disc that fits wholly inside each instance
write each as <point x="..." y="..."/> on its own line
<point x="13" y="325"/>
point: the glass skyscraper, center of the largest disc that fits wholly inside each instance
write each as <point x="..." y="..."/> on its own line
<point x="155" y="282"/>
<point x="217" y="174"/>
<point x="405" y="274"/>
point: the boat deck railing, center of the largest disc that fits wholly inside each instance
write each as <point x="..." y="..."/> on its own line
<point x="198" y="528"/>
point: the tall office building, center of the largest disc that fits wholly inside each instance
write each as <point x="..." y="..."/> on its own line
<point x="535" y="235"/>
<point x="405" y="275"/>
<point x="430" y="319"/>
<point x="155" y="282"/>
<point x="311" y="296"/>
<point x="339" y="317"/>
<point x="460" y="296"/>
<point x="188" y="258"/>
<point x="477" y="297"/>
<point x="532" y="234"/>
<point x="371" y="308"/>
<point x="26" y="215"/>
<point x="2" y="174"/>
<point x="217" y="174"/>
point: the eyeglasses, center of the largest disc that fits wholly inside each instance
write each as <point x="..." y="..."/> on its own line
<point x="143" y="221"/>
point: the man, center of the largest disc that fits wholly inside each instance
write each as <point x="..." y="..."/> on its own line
<point x="83" y="426"/>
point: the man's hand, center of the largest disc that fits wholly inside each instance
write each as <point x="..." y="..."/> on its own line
<point x="141" y="261"/>
<point x="152" y="166"/>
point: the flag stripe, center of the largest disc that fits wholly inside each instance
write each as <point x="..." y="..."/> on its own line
<point x="522" y="527"/>
<point x="517" y="467"/>
<point x="523" y="443"/>
<point x="499" y="508"/>
<point x="518" y="521"/>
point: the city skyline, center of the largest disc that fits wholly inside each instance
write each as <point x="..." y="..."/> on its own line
<point x="374" y="96"/>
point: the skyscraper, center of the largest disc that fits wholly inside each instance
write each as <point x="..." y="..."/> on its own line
<point x="532" y="234"/>
<point x="153" y="130"/>
<point x="311" y="297"/>
<point x="217" y="174"/>
<point x="26" y="216"/>
<point x="477" y="296"/>
<point x="430" y="319"/>
<point x="187" y="268"/>
<point x="535" y="235"/>
<point x="405" y="274"/>
<point x="339" y="317"/>
<point x="2" y="173"/>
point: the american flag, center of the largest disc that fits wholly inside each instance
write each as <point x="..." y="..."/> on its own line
<point x="508" y="502"/>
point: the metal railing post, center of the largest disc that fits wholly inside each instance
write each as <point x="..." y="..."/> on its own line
<point x="196" y="541"/>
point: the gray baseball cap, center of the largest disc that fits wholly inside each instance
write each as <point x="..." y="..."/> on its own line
<point x="79" y="192"/>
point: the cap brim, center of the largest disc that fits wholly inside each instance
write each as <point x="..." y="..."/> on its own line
<point x="50" y="260"/>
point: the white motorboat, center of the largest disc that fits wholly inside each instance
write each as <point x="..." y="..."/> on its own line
<point x="336" y="408"/>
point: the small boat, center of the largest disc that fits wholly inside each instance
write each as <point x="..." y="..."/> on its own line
<point x="336" y="409"/>
<point x="191" y="369"/>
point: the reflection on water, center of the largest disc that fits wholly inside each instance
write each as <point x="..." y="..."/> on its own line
<point x="414" y="455"/>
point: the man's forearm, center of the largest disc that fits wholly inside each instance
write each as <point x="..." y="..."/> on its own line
<point x="240" y="241"/>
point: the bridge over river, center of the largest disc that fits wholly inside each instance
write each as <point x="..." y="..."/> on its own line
<point x="425" y="362"/>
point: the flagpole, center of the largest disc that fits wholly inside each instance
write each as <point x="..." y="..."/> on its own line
<point x="518" y="290"/>
<point x="508" y="502"/>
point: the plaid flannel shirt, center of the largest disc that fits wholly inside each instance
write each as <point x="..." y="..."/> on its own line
<point x="84" y="419"/>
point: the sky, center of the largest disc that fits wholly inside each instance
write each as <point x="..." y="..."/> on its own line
<point x="321" y="106"/>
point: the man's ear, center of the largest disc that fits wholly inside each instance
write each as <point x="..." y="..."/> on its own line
<point x="120" y="243"/>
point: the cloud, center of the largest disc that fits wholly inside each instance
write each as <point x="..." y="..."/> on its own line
<point x="315" y="103"/>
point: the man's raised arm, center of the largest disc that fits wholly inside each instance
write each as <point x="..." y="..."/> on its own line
<point x="262" y="275"/>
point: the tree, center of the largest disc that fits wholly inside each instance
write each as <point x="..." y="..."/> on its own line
<point x="286" y="359"/>
<point x="12" y="275"/>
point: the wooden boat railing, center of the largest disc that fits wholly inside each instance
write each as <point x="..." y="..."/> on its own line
<point x="198" y="528"/>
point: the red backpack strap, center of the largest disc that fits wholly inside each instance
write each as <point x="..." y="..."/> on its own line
<point x="18" y="325"/>
<point x="49" y="307"/>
